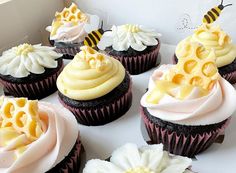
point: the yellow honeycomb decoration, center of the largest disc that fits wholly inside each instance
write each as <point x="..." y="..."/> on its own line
<point x="22" y="115"/>
<point x="196" y="68"/>
<point x="71" y="14"/>
<point x="95" y="59"/>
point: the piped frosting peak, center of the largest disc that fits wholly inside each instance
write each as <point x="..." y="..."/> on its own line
<point x="90" y="75"/>
<point x="212" y="37"/>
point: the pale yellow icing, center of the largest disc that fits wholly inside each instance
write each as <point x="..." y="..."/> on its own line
<point x="90" y="75"/>
<point x="132" y="28"/>
<point x="24" y="49"/>
<point x="213" y="37"/>
<point x="197" y="68"/>
<point x="20" y="124"/>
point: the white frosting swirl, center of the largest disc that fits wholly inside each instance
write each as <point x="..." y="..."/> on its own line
<point x="20" y="61"/>
<point x="69" y="33"/>
<point x="47" y="151"/>
<point x="121" y="38"/>
<point x="213" y="108"/>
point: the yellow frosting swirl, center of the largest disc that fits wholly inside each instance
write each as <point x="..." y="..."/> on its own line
<point x="212" y="37"/>
<point x="90" y="75"/>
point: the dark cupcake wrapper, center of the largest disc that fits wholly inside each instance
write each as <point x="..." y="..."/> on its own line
<point x="32" y="90"/>
<point x="68" y="51"/>
<point x="103" y="114"/>
<point x="71" y="163"/>
<point x="139" y="64"/>
<point x="180" y="143"/>
<point x="229" y="76"/>
<point x="174" y="59"/>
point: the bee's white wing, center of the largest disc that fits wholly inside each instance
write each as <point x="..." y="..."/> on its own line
<point x="93" y="24"/>
<point x="185" y="23"/>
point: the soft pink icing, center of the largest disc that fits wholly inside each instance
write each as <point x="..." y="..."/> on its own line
<point x="44" y="153"/>
<point x="217" y="106"/>
<point x="69" y="33"/>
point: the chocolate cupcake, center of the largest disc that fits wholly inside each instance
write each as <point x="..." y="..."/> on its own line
<point x="188" y="105"/>
<point x="147" y="159"/>
<point x="69" y="29"/>
<point x="95" y="88"/>
<point x="213" y="37"/>
<point x="38" y="137"/>
<point x="136" y="47"/>
<point x="30" y="71"/>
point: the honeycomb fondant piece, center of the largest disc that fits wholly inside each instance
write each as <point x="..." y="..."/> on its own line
<point x="22" y="115"/>
<point x="71" y="14"/>
<point x="95" y="59"/>
<point x="197" y="67"/>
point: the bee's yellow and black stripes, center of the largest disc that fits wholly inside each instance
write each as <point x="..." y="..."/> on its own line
<point x="93" y="38"/>
<point x="214" y="13"/>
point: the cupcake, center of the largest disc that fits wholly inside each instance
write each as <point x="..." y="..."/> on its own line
<point x="188" y="105"/>
<point x="37" y="137"/>
<point x="213" y="37"/>
<point x="134" y="46"/>
<point x="30" y="71"/>
<point x="69" y="30"/>
<point x="95" y="88"/>
<point x="147" y="159"/>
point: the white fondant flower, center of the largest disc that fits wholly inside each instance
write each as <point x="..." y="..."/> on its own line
<point x="25" y="59"/>
<point x="130" y="159"/>
<point x="121" y="38"/>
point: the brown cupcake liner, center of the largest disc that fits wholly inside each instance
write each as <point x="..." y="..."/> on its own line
<point x="231" y="77"/>
<point x="174" y="59"/>
<point x="32" y="90"/>
<point x="68" y="52"/>
<point x="71" y="163"/>
<point x="139" y="64"/>
<point x="182" y="144"/>
<point x="103" y="114"/>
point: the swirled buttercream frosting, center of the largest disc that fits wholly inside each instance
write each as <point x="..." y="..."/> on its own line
<point x="191" y="92"/>
<point x="121" y="38"/>
<point x="24" y="59"/>
<point x="213" y="37"/>
<point x="90" y="75"/>
<point x="34" y="136"/>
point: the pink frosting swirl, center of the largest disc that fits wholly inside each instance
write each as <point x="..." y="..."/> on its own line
<point x="213" y="108"/>
<point x="52" y="146"/>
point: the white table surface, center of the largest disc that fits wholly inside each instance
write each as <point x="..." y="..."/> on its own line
<point x="100" y="141"/>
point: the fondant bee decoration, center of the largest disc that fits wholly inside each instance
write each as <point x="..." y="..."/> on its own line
<point x="214" y="13"/>
<point x="94" y="35"/>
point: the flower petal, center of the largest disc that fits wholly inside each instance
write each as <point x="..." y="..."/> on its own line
<point x="152" y="156"/>
<point x="100" y="166"/>
<point x="126" y="157"/>
<point x="177" y="164"/>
